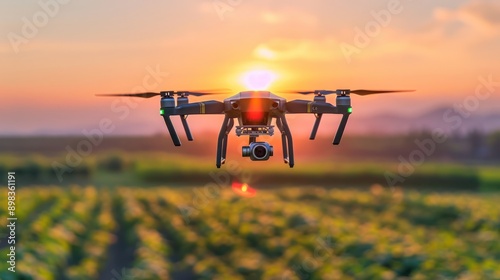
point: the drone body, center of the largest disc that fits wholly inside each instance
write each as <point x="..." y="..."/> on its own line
<point x="255" y="113"/>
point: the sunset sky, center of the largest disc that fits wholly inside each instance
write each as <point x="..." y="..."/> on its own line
<point x="55" y="57"/>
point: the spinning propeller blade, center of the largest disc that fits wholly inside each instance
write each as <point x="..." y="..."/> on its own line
<point x="140" y="94"/>
<point x="361" y="92"/>
<point x="183" y="92"/>
<point x="297" y="91"/>
<point x="368" y="92"/>
<point x="205" y="92"/>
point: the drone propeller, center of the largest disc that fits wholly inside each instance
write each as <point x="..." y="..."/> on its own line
<point x="140" y="94"/>
<point x="180" y="93"/>
<point x="346" y="91"/>
<point x="204" y="92"/>
<point x="369" y="92"/>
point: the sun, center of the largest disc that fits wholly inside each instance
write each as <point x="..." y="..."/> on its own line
<point x="258" y="79"/>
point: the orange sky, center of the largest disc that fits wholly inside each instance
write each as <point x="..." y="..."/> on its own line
<point x="55" y="57"/>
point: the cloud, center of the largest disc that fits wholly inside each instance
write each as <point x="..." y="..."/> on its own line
<point x="480" y="15"/>
<point x="289" y="17"/>
<point x="289" y="49"/>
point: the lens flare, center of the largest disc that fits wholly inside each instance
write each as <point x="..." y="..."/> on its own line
<point x="259" y="79"/>
<point x="243" y="190"/>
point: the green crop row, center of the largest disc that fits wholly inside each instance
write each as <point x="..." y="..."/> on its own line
<point x="286" y="233"/>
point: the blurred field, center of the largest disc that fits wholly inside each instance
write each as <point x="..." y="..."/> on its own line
<point x="146" y="214"/>
<point x="289" y="233"/>
<point x="151" y="169"/>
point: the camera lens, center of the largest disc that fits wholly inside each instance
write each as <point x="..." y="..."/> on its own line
<point x="260" y="152"/>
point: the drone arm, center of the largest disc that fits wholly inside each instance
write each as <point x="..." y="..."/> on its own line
<point x="304" y="106"/>
<point x="320" y="108"/>
<point x="198" y="108"/>
<point x="207" y="107"/>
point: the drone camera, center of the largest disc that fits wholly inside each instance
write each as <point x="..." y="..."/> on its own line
<point x="258" y="151"/>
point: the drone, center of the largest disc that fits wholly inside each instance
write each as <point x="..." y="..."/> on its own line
<point x="255" y="112"/>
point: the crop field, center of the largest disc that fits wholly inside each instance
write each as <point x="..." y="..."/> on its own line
<point x="289" y="233"/>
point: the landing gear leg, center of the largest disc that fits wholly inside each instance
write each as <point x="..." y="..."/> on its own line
<point x="227" y="125"/>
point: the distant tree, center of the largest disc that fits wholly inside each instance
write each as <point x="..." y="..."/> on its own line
<point x="494" y="144"/>
<point x="475" y="143"/>
<point x="112" y="163"/>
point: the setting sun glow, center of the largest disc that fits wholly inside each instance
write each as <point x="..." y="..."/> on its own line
<point x="258" y="79"/>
